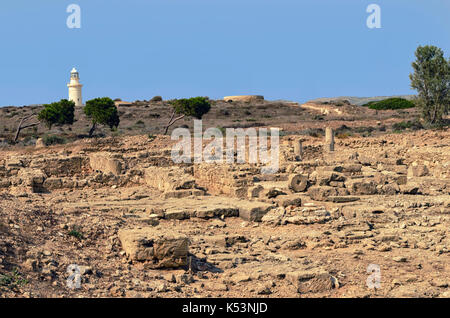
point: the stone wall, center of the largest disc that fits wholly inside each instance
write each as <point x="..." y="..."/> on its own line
<point x="224" y="179"/>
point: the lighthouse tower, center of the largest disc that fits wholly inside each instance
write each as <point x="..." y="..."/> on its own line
<point x="75" y="88"/>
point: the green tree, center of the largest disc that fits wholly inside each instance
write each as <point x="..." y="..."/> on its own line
<point x="191" y="107"/>
<point x="431" y="79"/>
<point x="102" y="111"/>
<point x="58" y="113"/>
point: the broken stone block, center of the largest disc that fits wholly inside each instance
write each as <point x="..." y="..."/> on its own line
<point x="390" y="189"/>
<point x="337" y="184"/>
<point x="162" y="248"/>
<point x="274" y="216"/>
<point x="312" y="281"/>
<point x="351" y="169"/>
<point x="418" y="171"/>
<point x="13" y="163"/>
<point x="255" y="191"/>
<point x="105" y="162"/>
<point x="361" y="186"/>
<point x="288" y="200"/>
<point x="298" y="182"/>
<point x="353" y="211"/>
<point x="176" y="214"/>
<point x="310" y="216"/>
<point x="52" y="183"/>
<point x="389" y="177"/>
<point x="324" y="178"/>
<point x="322" y="193"/>
<point x="410" y="188"/>
<point x="152" y="220"/>
<point x="169" y="178"/>
<point x="342" y="199"/>
<point x="211" y="211"/>
<point x="271" y="193"/>
<point x="178" y="194"/>
<point x="33" y="178"/>
<point x="253" y="211"/>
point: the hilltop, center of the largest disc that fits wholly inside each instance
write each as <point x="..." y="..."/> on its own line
<point x="149" y="117"/>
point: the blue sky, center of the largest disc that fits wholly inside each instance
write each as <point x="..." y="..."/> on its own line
<point x="282" y="49"/>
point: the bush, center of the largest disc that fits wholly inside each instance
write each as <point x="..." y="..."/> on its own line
<point x="390" y="103"/>
<point x="53" y="140"/>
<point x="76" y="232"/>
<point x="12" y="280"/>
<point x="156" y="99"/>
<point x="313" y="132"/>
<point x="413" y="125"/>
<point x="140" y="123"/>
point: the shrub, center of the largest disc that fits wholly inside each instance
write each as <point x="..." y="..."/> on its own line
<point x="156" y="99"/>
<point x="12" y="280"/>
<point x="75" y="232"/>
<point x="313" y="132"/>
<point x="53" y="140"/>
<point x="343" y="135"/>
<point x="413" y="125"/>
<point x="390" y="103"/>
<point x="140" y="123"/>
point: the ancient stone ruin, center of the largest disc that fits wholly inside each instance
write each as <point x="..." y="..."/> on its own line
<point x="225" y="228"/>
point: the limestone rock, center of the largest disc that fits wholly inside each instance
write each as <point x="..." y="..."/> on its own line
<point x="322" y="193"/>
<point x="288" y="200"/>
<point x="105" y="162"/>
<point x="169" y="178"/>
<point x="361" y="186"/>
<point x="417" y="171"/>
<point x="312" y="281"/>
<point x="254" y="211"/>
<point x="164" y="249"/>
<point x="274" y="216"/>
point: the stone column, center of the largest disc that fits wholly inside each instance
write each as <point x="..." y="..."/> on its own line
<point x="329" y="139"/>
<point x="298" y="149"/>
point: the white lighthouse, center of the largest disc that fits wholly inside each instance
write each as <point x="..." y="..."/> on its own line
<point x="75" y="88"/>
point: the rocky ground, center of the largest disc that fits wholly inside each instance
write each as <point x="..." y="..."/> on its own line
<point x="137" y="225"/>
